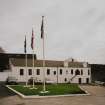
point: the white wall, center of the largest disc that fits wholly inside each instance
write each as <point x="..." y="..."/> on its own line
<point x="4" y="75"/>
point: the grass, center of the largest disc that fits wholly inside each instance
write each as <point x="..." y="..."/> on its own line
<point x="54" y="89"/>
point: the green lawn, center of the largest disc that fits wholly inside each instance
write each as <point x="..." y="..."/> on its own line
<point x="54" y="89"/>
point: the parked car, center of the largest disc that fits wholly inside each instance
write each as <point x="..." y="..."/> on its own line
<point x="104" y="84"/>
<point x="36" y="81"/>
<point x="11" y="81"/>
<point x="50" y="82"/>
<point x="100" y="83"/>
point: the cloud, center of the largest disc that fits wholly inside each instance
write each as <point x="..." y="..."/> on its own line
<point x="73" y="28"/>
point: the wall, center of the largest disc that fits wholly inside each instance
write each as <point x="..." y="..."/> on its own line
<point x="4" y="75"/>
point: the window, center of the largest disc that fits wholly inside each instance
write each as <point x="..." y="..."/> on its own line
<point x="60" y="71"/>
<point x="77" y="72"/>
<point x="21" y="71"/>
<point x="71" y="71"/>
<point x="88" y="72"/>
<point x="37" y="71"/>
<point x="29" y="71"/>
<point x="81" y="72"/>
<point x="54" y="72"/>
<point x="48" y="71"/>
<point x="66" y="71"/>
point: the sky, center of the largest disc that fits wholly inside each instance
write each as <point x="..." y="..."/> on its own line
<point x="73" y="28"/>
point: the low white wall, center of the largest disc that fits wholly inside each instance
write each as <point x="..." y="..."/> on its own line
<point x="4" y="75"/>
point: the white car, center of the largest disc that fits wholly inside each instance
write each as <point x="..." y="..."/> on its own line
<point x="11" y="80"/>
<point x="50" y="82"/>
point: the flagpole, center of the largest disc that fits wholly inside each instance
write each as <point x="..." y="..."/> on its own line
<point x="25" y="50"/>
<point x="26" y="67"/>
<point x="32" y="46"/>
<point x="44" y="85"/>
<point x="33" y="69"/>
<point x="42" y="36"/>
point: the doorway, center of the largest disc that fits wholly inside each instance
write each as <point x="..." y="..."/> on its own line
<point x="87" y="80"/>
<point x="79" y="80"/>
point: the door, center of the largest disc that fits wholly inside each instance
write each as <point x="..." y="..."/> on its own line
<point x="79" y="80"/>
<point x="87" y="80"/>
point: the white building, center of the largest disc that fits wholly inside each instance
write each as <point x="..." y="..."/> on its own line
<point x="57" y="71"/>
<point x="68" y="71"/>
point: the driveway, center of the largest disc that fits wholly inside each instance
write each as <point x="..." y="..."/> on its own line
<point x="97" y="97"/>
<point x="4" y="92"/>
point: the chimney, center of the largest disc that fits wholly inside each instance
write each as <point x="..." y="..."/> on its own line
<point x="85" y="64"/>
<point x="66" y="63"/>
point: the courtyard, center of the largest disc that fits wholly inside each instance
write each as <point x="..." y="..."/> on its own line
<point x="97" y="97"/>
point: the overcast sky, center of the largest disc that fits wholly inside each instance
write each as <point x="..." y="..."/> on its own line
<point x="73" y="28"/>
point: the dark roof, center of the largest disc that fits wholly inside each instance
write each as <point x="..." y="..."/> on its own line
<point x="37" y="63"/>
<point x="4" y="59"/>
<point x="15" y="55"/>
<point x="2" y="50"/>
<point x="48" y="63"/>
<point x="75" y="64"/>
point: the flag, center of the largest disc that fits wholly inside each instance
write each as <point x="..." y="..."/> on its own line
<point x="32" y="40"/>
<point x="42" y="28"/>
<point x="25" y="44"/>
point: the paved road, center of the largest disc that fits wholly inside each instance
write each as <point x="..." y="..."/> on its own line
<point x="4" y="92"/>
<point x="97" y="98"/>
